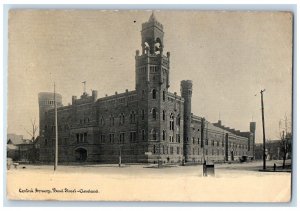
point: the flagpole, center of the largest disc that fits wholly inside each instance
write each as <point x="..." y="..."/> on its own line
<point x="56" y="131"/>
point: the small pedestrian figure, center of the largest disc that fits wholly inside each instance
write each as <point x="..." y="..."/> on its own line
<point x="274" y="167"/>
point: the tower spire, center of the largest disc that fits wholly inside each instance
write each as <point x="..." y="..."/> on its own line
<point x="152" y="17"/>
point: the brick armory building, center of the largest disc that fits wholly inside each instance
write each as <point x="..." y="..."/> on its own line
<point x="143" y="125"/>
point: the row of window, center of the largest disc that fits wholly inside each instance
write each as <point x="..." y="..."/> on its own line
<point x="218" y="143"/>
<point x="60" y="127"/>
<point x="133" y="118"/>
<point x="133" y="137"/>
<point x="121" y="138"/>
<point x="167" y="150"/>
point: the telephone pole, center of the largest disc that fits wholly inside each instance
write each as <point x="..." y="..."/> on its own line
<point x="263" y="125"/>
<point x="56" y="133"/>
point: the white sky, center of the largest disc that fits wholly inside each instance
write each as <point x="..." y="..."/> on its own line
<point x="229" y="56"/>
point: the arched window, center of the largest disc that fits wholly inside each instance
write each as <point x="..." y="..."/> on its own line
<point x="157" y="46"/>
<point x="132" y="117"/>
<point x="164" y="115"/>
<point x="112" y="120"/>
<point x="178" y="120"/>
<point x="171" y="121"/>
<point x="146" y="47"/>
<point x="163" y="135"/>
<point x="153" y="133"/>
<point x="122" y="119"/>
<point x="102" y="121"/>
<point x="154" y="94"/>
<point x="164" y="95"/>
<point x="153" y="113"/>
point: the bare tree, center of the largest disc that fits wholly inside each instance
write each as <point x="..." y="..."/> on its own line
<point x="34" y="129"/>
<point x="285" y="145"/>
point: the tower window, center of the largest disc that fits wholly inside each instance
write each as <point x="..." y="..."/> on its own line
<point x="164" y="96"/>
<point x="153" y="133"/>
<point x="153" y="113"/>
<point x="164" y="135"/>
<point x="154" y="94"/>
<point x="143" y="114"/>
<point x="143" y="135"/>
<point x="171" y="121"/>
<point x="178" y="120"/>
<point x="164" y="115"/>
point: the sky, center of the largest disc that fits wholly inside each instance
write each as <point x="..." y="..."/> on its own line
<point x="229" y="56"/>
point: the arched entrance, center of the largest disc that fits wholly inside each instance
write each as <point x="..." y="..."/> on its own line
<point x="80" y="154"/>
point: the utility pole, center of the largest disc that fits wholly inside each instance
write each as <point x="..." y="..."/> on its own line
<point x="202" y="137"/>
<point x="56" y="132"/>
<point x="263" y="125"/>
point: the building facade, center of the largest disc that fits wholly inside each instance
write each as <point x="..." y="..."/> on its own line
<point x="144" y="125"/>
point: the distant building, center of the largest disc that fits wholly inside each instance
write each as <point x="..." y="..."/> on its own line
<point x="20" y="149"/>
<point x="274" y="149"/>
<point x="143" y="125"/>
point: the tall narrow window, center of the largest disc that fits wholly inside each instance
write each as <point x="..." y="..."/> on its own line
<point x="112" y="120"/>
<point x="153" y="113"/>
<point x="102" y="121"/>
<point x="164" y="135"/>
<point x="85" y="137"/>
<point x="153" y="133"/>
<point x="164" y="115"/>
<point x="154" y="94"/>
<point x="143" y="135"/>
<point x="143" y="114"/>
<point x="164" y="96"/>
<point x="132" y="117"/>
<point x="178" y="120"/>
<point x="171" y="121"/>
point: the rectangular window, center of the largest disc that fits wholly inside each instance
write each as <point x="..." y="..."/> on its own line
<point x="111" y="138"/>
<point x="143" y="135"/>
<point x="85" y="137"/>
<point x="122" y="138"/>
<point x="171" y="150"/>
<point x="143" y="114"/>
<point x="178" y="150"/>
<point x="132" y="136"/>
